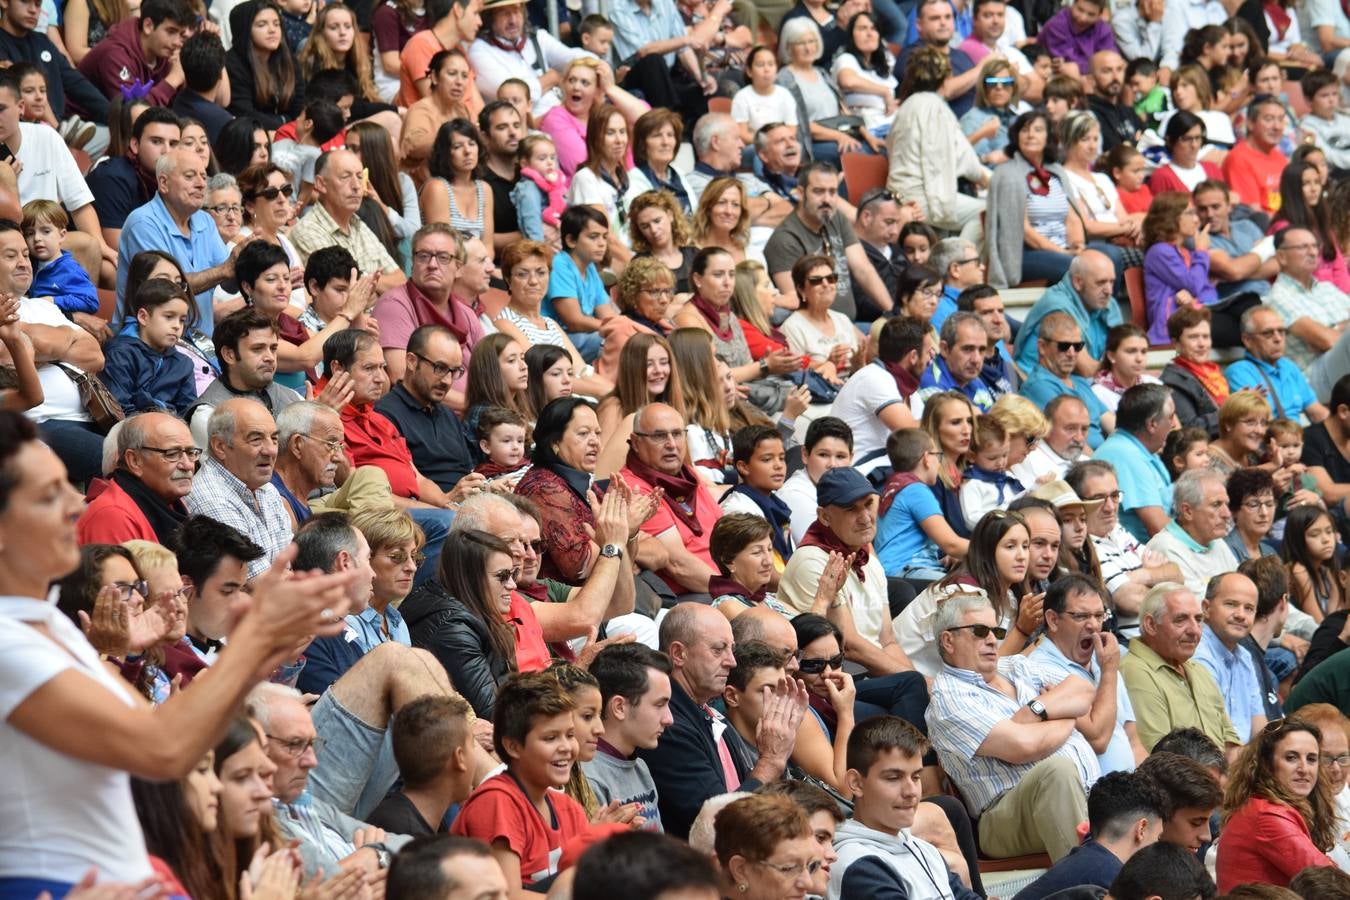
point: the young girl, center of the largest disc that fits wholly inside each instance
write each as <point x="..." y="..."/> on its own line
<point x="987" y="484"/>
<point x="1124" y="365"/>
<point x="540" y="193"/>
<point x="762" y="101"/>
<point x="585" y="693"/>
<point x="1126" y="166"/>
<point x="917" y="240"/>
<point x="1186" y="449"/>
<point x="603" y="180"/>
<point x="1309" y="553"/>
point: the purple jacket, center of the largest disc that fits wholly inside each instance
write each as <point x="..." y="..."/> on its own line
<point x="1058" y="37"/>
<point x="1165" y="273"/>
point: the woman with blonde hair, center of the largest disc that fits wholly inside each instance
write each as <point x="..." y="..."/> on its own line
<point x="753" y="301"/>
<point x="646" y="374"/>
<point x="707" y="421"/>
<point x="1024" y="424"/>
<point x="587" y="86"/>
<point x="396" y="543"/>
<point x="949" y="419"/>
<point x="1193" y="92"/>
<point x="723" y="217"/>
<point x="646" y="289"/>
<point x="1242" y="433"/>
<point x="658" y="228"/>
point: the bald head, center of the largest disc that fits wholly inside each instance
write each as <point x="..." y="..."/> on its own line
<point x="698" y="640"/>
<point x="1108" y="73"/>
<point x="1093" y="276"/>
<point x="242" y="437"/>
<point x="759" y="623"/>
<point x="181" y="179"/>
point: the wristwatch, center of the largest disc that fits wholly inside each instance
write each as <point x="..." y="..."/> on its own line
<point x="611" y="551"/>
<point x="1038" y="708"/>
<point x="382" y="854"/>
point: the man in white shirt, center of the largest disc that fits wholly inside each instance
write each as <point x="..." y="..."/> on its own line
<point x="876" y="400"/>
<point x="1063" y="446"/>
<point x="507" y="48"/>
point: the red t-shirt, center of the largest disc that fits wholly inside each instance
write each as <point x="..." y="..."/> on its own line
<point x="1135" y="201"/>
<point x="372" y="440"/>
<point x="1255" y="175"/>
<point x="531" y="652"/>
<point x="287" y="133"/>
<point x="499" y="810"/>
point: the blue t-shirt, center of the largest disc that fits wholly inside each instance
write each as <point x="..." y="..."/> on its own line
<point x="1041" y="387"/>
<point x="1292" y="393"/>
<point x="900" y="543"/>
<point x="566" y="281"/>
<point x="1142" y="478"/>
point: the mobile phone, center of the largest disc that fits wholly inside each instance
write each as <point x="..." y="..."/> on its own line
<point x="6" y="154"/>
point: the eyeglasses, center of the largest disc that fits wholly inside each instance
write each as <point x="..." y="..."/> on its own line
<point x="1342" y="760"/>
<point x="982" y="631"/>
<point x="1191" y="139"/>
<point x="1081" y="618"/>
<point x="334" y="446"/>
<point x="967" y="261"/>
<point x="659" y="293"/>
<point x="424" y="257"/>
<point x="1000" y="81"/>
<point x="271" y="193"/>
<point x="1066" y="346"/>
<point x="793" y="870"/>
<point x="816" y="665"/>
<point x="174" y="454"/>
<point x="818" y="280"/>
<point x="441" y="369"/>
<point x="225" y="210"/>
<point x="127" y="588"/>
<point x="660" y="437"/>
<point x="1258" y="505"/>
<point x="399" y="557"/>
<point x="296" y="747"/>
<point x="506" y="576"/>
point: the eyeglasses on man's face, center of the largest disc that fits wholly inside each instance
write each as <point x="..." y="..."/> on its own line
<point x="296" y="747"/>
<point x="440" y="369"/>
<point x="175" y="454"/>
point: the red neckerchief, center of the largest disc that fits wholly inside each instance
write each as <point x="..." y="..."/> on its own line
<point x="719" y="586"/>
<point x="1038" y="180"/>
<point x="681" y="490"/>
<point x="894" y="485"/>
<point x="819" y="535"/>
<point x="492" y="470"/>
<point x="428" y="313"/>
<point x="718" y="319"/>
<point x="1279" y="17"/>
<point x="503" y="44"/>
<point x="905" y="381"/>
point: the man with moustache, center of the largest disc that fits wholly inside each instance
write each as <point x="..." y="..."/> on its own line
<point x="144" y="498"/>
<point x="1230" y="610"/>
<point x="1119" y="123"/>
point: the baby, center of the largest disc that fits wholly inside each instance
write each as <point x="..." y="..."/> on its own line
<point x="987" y="484"/>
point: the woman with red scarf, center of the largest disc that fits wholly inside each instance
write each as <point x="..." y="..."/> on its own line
<point x="1197" y="382"/>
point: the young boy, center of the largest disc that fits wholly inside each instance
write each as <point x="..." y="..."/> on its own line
<point x="1325" y="122"/>
<point x="757" y="666"/>
<point x="318" y="123"/>
<point x="828" y="445"/>
<point x="433" y="743"/>
<point x="987" y="484"/>
<point x="522" y="812"/>
<point x="501" y="437"/>
<point x="1063" y="94"/>
<point x="1286" y="436"/>
<point x="33" y="103"/>
<point x="635" y="709"/>
<point x="597" y="36"/>
<point x="912" y="534"/>
<point x="143" y="370"/>
<point x="1151" y="99"/>
<point x="328" y="285"/>
<point x="761" y="463"/>
<point x="878" y="856"/>
<point x="56" y="274"/>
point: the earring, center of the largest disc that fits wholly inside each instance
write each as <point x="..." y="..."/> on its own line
<point x="742" y="888"/>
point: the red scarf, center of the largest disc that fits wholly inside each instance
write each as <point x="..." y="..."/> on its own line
<point x="894" y="485"/>
<point x="149" y="183"/>
<point x="719" y="586"/>
<point x="1209" y="375"/>
<point x="517" y="46"/>
<point x="681" y="490"/>
<point x="718" y="319"/>
<point x="905" y="381"/>
<point x="818" y="535"/>
<point x="428" y="313"/>
<point x="1038" y="179"/>
<point x="1279" y="17"/>
<point x="491" y="470"/>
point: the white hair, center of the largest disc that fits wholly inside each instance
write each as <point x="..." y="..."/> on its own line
<point x="476" y="511"/>
<point x="1155" y="601"/>
<point x="709" y="127"/>
<point x="1190" y="487"/>
<point x="259" y="701"/>
<point x="793" y="31"/>
<point x="955" y="607"/>
<point x="703" y="833"/>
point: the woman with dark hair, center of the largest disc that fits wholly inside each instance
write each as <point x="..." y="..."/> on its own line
<point x="742" y="547"/>
<point x="59" y="692"/>
<point x="656" y="140"/>
<point x="453" y="194"/>
<point x="549" y="372"/>
<point x="917" y="295"/>
<point x="240" y="144"/>
<point x="1184" y="136"/>
<point x="1176" y="267"/>
<point x="267" y="192"/>
<point x="1279" y="815"/>
<point x="602" y="181"/>
<point x="178" y="819"/>
<point x="265" y="83"/>
<point x="1197" y="382"/>
<point x="996" y="566"/>
<point x="1303" y="205"/>
<point x="864" y="69"/>
<point x="498" y="376"/>
<point x="1251" y="499"/>
<point x="451" y="81"/>
<point x="390" y="206"/>
<point x="1124" y="364"/>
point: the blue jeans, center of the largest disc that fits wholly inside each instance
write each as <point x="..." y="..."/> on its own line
<point x="588" y="344"/>
<point x="78" y="445"/>
<point x="435" y="524"/>
<point x="1044" y="265"/>
<point x="892" y="20"/>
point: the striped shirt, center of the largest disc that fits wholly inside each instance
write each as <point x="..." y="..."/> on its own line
<point x="963" y="710"/>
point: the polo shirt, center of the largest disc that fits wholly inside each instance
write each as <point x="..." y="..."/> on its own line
<point x="1165" y="700"/>
<point x="433" y="435"/>
<point x="792" y="240"/>
<point x="531" y="652"/>
<point x="372" y="440"/>
<point x="1323" y="12"/>
<point x="1323" y="302"/>
<point x="706" y="511"/>
<point x="398" y="320"/>
<point x="150" y="227"/>
<point x="1142" y="477"/>
<point x="1328" y="682"/>
<point x="1198" y="562"/>
<point x="1093" y="324"/>
<point x="1118" y="755"/>
<point x="117" y="190"/>
<point x="1060" y="38"/>
<point x="1041" y="387"/>
<point x="635" y="28"/>
<point x="317" y="229"/>
<point x="1242" y="236"/>
<point x="938" y="378"/>
<point x="565" y="280"/>
<point x="1235" y="674"/>
<point x="1291" y="389"/>
<point x="865" y="592"/>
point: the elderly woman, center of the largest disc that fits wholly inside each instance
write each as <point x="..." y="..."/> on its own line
<point x="1251" y="498"/>
<point x="824" y="122"/>
<point x="645" y="291"/>
<point x="1197" y="382"/>
<point x="722" y="219"/>
<point x="765" y="849"/>
<point x="1023" y="422"/>
<point x="997" y="104"/>
<point x="586" y="85"/>
<point x="658" y="228"/>
<point x="929" y="152"/>
<point x="656" y="140"/>
<point x="396" y="543"/>
<point x="742" y="546"/>
<point x="226" y="206"/>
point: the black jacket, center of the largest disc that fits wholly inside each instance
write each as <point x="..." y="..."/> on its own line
<point x="889" y="270"/>
<point x="685" y="764"/>
<point x="459" y="639"/>
<point x="68" y="91"/>
<point x="239" y="68"/>
<point x="1195" y="407"/>
<point x="1119" y="123"/>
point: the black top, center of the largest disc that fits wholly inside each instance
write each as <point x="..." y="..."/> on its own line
<point x="64" y="81"/>
<point x="687" y="255"/>
<point x="117" y="190"/>
<point x="1119" y="123"/>
<point x="889" y="270"/>
<point x="504" y="218"/>
<point x="435" y="437"/>
<point x="1320" y="450"/>
<point x="1325" y="642"/>
<point x="193" y="105"/>
<point x="397" y="815"/>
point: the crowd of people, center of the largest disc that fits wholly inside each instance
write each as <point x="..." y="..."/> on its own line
<point x="445" y="455"/>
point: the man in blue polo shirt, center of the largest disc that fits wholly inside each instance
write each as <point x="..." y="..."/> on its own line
<point x="174" y="221"/>
<point x="1086" y="294"/>
<point x="1265" y="369"/>
<point x="958" y="262"/>
<point x="577" y="301"/>
<point x="1145" y="416"/>
<point x="1059" y="345"/>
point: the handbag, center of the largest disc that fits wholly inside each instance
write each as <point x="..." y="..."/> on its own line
<point x="821" y="390"/>
<point x="103" y="409"/>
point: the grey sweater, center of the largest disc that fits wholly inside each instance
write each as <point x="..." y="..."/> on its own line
<point x="1007" y="211"/>
<point x="626" y="780"/>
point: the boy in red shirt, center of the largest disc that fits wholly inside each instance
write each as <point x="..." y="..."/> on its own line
<point x="523" y="813"/>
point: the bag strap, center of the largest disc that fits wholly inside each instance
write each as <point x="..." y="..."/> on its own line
<point x="73" y="374"/>
<point x="1279" y="407"/>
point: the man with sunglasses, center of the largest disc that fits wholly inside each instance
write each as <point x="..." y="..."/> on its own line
<point x="1059" y="343"/>
<point x="1006" y="730"/>
<point x="143" y="500"/>
<point x="1087" y="295"/>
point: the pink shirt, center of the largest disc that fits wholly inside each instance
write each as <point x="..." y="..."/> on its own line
<point x="398" y="320"/>
<point x="569" y="136"/>
<point x="707" y="512"/>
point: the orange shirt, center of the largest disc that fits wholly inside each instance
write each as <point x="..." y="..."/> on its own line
<point x="413" y="62"/>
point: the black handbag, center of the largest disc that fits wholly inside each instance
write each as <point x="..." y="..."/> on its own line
<point x="821" y="390"/>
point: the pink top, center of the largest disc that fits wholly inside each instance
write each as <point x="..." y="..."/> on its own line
<point x="1334" y="270"/>
<point x="569" y="136"/>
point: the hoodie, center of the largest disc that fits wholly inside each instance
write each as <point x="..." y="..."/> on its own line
<point x="876" y="864"/>
<point x="64" y="280"/>
<point x="117" y="64"/>
<point x="145" y="380"/>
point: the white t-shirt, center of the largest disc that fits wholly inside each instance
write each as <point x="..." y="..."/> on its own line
<point x="1098" y="193"/>
<point x="859" y="403"/>
<point x="803" y="336"/>
<point x="59" y="816"/>
<point x="61" y="398"/>
<point x="49" y="171"/>
<point x="865" y="104"/>
<point x="756" y="110"/>
<point x="867" y="597"/>
<point x="589" y="189"/>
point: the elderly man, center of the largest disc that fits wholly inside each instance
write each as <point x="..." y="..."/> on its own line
<point x="508" y="48"/>
<point x="935" y="23"/>
<point x="246" y="347"/>
<point x="718" y="146"/>
<point x="1086" y="294"/>
<point x="1230" y="611"/>
<point x="1076" y="643"/>
<point x="1006" y="731"/>
<point x="1241" y="258"/>
<point x="846" y="523"/>
<point x="144" y="498"/>
<point x="1254" y="165"/>
<point x="817" y="223"/>
<point x="1315" y="311"/>
<point x="1119" y="123"/>
<point x="234" y="485"/>
<point x="1063" y="445"/>
<point x="880" y="217"/>
<point x="312" y="457"/>
<point x="958" y="261"/>
<point x="1128" y="568"/>
<point x="695" y="759"/>
<point x="780" y="155"/>
<point x="428" y="298"/>
<point x="1194" y="537"/>
<point x="1265" y="368"/>
<point x="1146" y="415"/>
<point x="417" y="405"/>
<point x="875" y="401"/>
<point x="684" y="521"/>
<point x="962" y="344"/>
<point x="1169" y="689"/>
<point x="1058" y="345"/>
<point x="332" y="220"/>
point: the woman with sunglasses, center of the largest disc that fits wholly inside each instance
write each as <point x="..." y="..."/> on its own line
<point x="995" y="565"/>
<point x="829" y="338"/>
<point x="267" y="192"/>
<point x="1279" y="815"/>
<point x="997" y="103"/>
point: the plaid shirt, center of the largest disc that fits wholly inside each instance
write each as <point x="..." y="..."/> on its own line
<point x="965" y="708"/>
<point x="317" y="229"/>
<point x="1324" y="303"/>
<point x="259" y="515"/>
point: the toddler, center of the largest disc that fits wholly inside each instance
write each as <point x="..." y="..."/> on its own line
<point x="987" y="484"/>
<point x="1285" y="438"/>
<point x="1186" y="449"/>
<point x="502" y="438"/>
<point x="57" y="277"/>
<point x="597" y="36"/>
<point x="540" y="192"/>
<point x="1126" y="166"/>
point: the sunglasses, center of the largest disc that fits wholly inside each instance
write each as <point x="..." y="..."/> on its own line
<point x="817" y="280"/>
<point x="271" y="193"/>
<point x="816" y="665"/>
<point x="1066" y="346"/>
<point x="506" y="576"/>
<point x="982" y="631"/>
<point x="1000" y="81"/>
